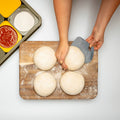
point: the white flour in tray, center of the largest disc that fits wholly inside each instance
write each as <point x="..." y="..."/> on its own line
<point x="24" y="21"/>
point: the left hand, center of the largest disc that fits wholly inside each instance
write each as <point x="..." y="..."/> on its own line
<point x="61" y="53"/>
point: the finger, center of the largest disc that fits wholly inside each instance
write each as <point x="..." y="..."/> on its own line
<point x="89" y="39"/>
<point x="58" y="57"/>
<point x="96" y="48"/>
<point x="62" y="58"/>
<point x="98" y="45"/>
<point x="64" y="66"/>
<point x="92" y="43"/>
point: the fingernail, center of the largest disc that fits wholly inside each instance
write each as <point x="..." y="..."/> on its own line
<point x="61" y="61"/>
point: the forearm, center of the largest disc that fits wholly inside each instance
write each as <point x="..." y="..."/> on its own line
<point x="63" y="12"/>
<point x="106" y="11"/>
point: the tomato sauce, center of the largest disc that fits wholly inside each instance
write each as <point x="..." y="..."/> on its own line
<point x="8" y="36"/>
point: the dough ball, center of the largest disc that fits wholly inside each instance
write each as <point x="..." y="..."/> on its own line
<point x="44" y="58"/>
<point x="44" y="84"/>
<point x="75" y="58"/>
<point x="72" y="83"/>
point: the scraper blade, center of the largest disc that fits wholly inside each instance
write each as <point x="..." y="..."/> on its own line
<point x="83" y="45"/>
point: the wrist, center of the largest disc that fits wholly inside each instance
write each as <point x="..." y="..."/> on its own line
<point x="98" y="29"/>
<point x="100" y="26"/>
<point x="63" y="41"/>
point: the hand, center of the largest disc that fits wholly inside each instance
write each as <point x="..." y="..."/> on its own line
<point x="61" y="53"/>
<point x="96" y="40"/>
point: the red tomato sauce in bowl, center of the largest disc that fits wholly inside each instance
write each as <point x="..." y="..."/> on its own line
<point x="8" y="36"/>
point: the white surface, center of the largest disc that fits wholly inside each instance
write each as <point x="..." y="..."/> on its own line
<point x="107" y="104"/>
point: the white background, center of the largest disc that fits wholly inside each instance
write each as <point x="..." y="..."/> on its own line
<point x="105" y="106"/>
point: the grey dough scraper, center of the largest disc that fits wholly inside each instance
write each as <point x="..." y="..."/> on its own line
<point x="83" y="45"/>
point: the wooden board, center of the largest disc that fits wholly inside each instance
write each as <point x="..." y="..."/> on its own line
<point x="28" y="71"/>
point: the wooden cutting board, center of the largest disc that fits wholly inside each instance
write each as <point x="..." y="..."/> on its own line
<point x="28" y="71"/>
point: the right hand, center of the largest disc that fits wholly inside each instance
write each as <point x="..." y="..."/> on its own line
<point x="61" y="53"/>
<point x="96" y="40"/>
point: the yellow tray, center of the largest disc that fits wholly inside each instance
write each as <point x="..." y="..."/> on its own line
<point x="19" y="36"/>
<point x="7" y="7"/>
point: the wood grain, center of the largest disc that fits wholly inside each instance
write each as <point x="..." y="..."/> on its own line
<point x="28" y="71"/>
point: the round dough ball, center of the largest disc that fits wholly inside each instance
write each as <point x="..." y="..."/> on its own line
<point x="44" y="58"/>
<point x="72" y="83"/>
<point x="75" y="58"/>
<point x="44" y="84"/>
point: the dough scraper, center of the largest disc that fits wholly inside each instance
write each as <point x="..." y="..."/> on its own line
<point x="83" y="45"/>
